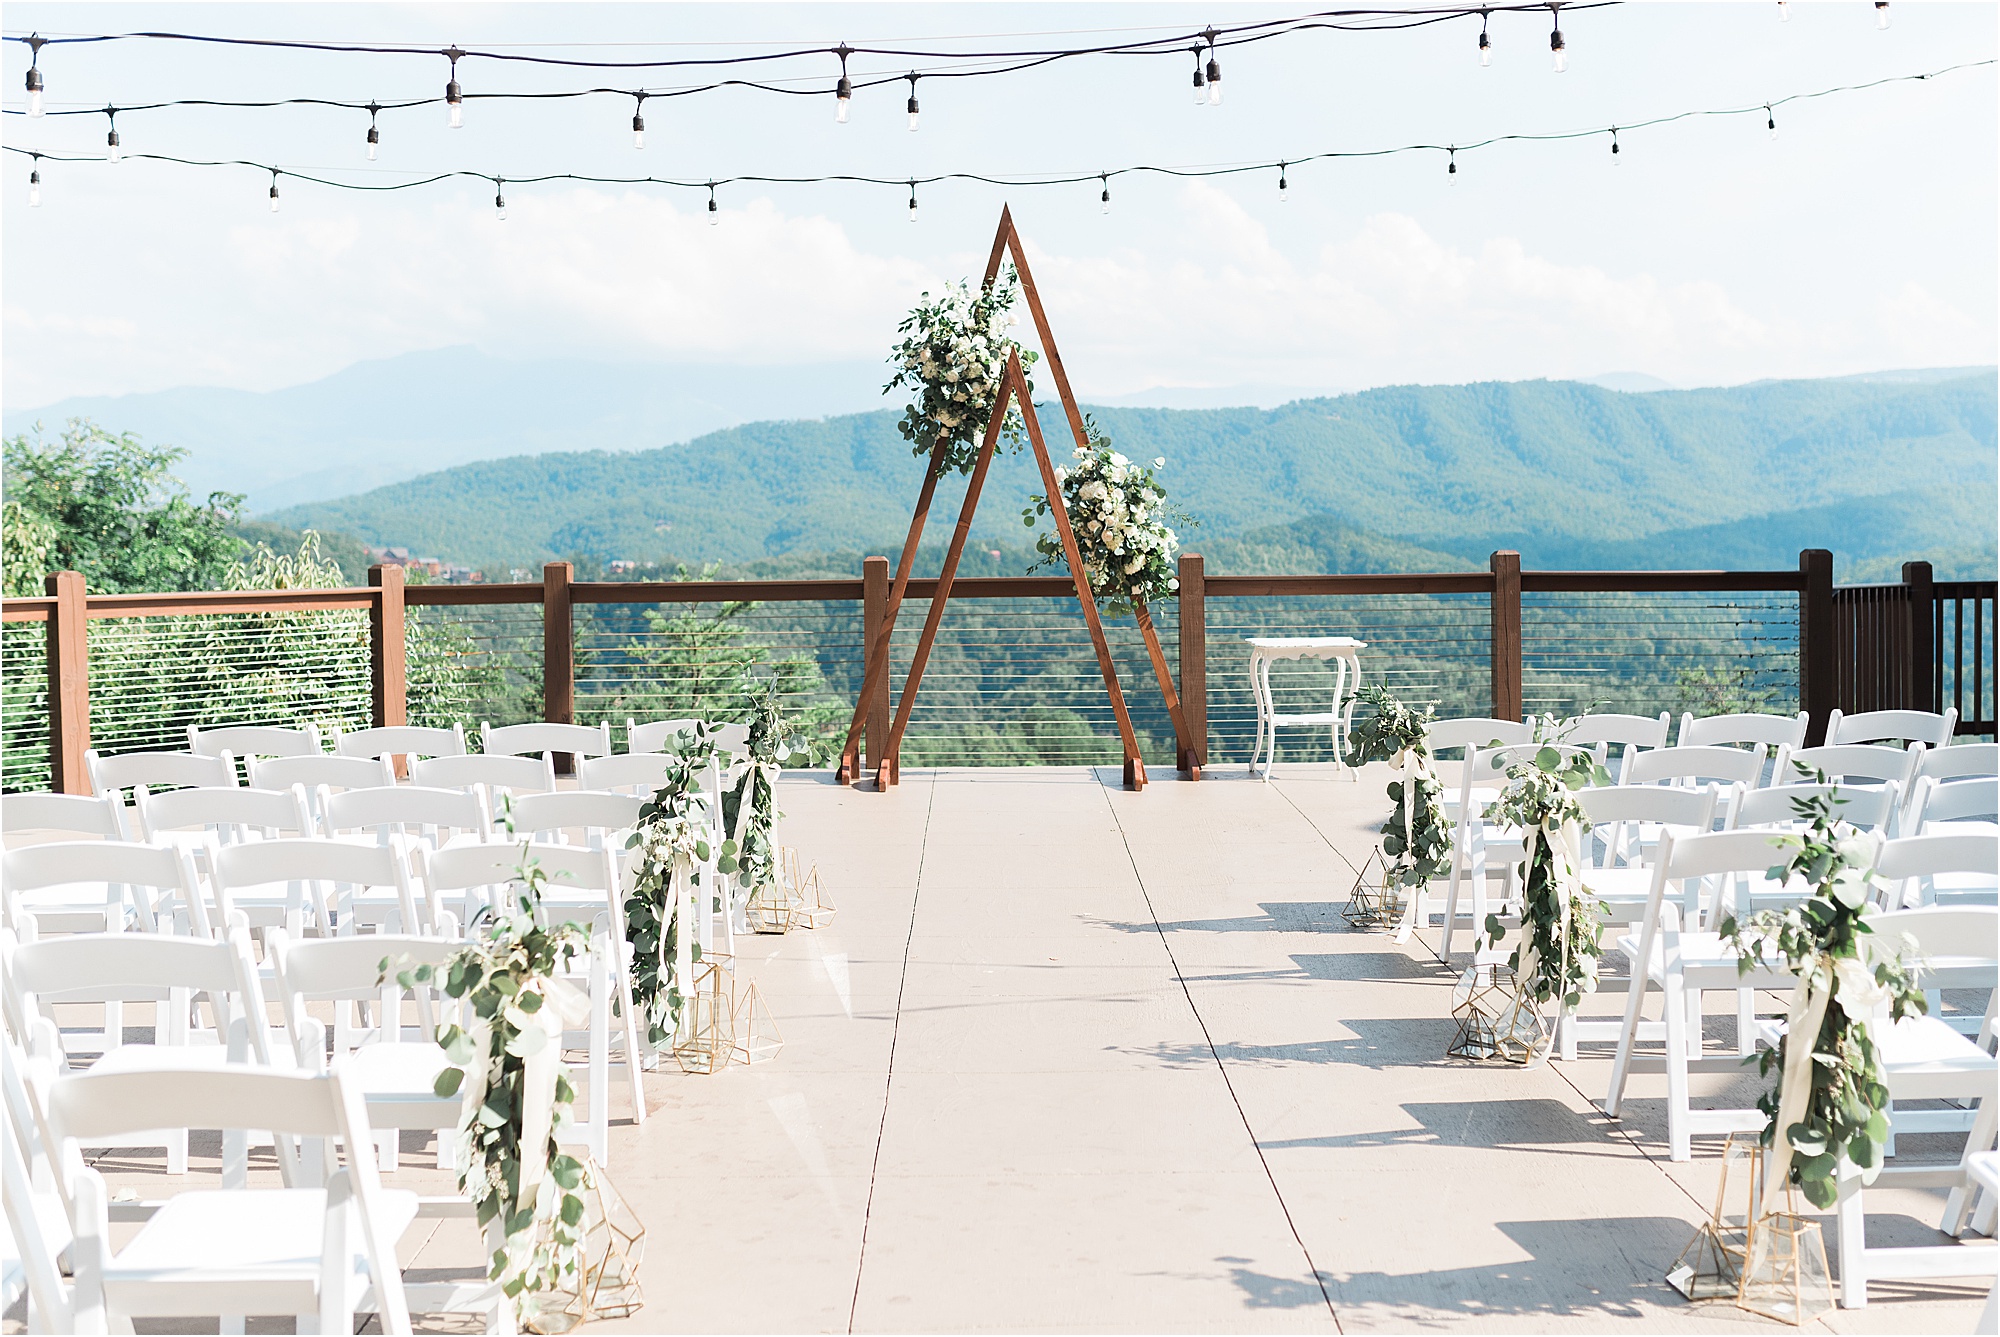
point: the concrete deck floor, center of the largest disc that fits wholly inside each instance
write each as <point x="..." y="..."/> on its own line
<point x="1076" y="1059"/>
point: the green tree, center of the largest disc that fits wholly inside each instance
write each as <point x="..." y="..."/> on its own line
<point x="108" y="505"/>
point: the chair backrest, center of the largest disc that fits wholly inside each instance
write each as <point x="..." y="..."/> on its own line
<point x="655" y="735"/>
<point x="1488" y="765"/>
<point x="1738" y="856"/>
<point x="231" y="813"/>
<point x="1695" y="765"/>
<point x="1960" y="800"/>
<point x="129" y="967"/>
<point x="1957" y="931"/>
<point x="518" y="740"/>
<point x="1902" y="726"/>
<point x="349" y="970"/>
<point x="319" y="771"/>
<point x="524" y="775"/>
<point x="627" y="771"/>
<point x="1665" y="804"/>
<point x="1474" y="731"/>
<point x="1870" y="807"/>
<point x="1732" y="730"/>
<point x="730" y="738"/>
<point x="577" y="875"/>
<point x="121" y="867"/>
<point x="1929" y="855"/>
<point x="317" y="860"/>
<point x="412" y="810"/>
<point x="1631" y="730"/>
<point x="1850" y="761"/>
<point x="117" y="774"/>
<point x="539" y="815"/>
<point x="401" y="740"/>
<point x="255" y="740"/>
<point x="70" y="814"/>
<point x="1960" y="761"/>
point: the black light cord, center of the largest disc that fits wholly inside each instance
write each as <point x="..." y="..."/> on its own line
<point x="1281" y="166"/>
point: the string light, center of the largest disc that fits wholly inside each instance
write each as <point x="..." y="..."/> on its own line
<point x="1485" y="43"/>
<point x="843" y="92"/>
<point x="639" y="121"/>
<point x="1614" y="146"/>
<point x="274" y="190"/>
<point x="35" y="184"/>
<point x="1200" y="91"/>
<point x="1557" y="47"/>
<point x="35" y="43"/>
<point x="453" y="99"/>
<point x="913" y="101"/>
<point x="1214" y="70"/>
<point x="1770" y="120"/>
<point x="1881" y="13"/>
<point x="374" y="135"/>
<point x="1451" y="167"/>
<point x="1284" y="187"/>
<point x="1784" y="11"/>
<point x="1104" y="198"/>
<point x="112" y="153"/>
<point x="714" y="217"/>
<point x="500" y="198"/>
<point x="913" y="199"/>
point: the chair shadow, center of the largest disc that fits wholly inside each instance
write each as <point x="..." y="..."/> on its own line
<point x="1542" y="1126"/>
<point x="1400" y="1042"/>
<point x="1278" y="917"/>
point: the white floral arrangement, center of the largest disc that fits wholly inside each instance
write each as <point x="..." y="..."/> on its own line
<point x="1119" y="513"/>
<point x="955" y="356"/>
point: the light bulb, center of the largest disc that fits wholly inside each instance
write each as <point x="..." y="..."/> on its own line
<point x="913" y="115"/>
<point x="374" y="140"/>
<point x="455" y="100"/>
<point x="1771" y="122"/>
<point x="1451" y="171"/>
<point x="1881" y="13"/>
<point x="1284" y="189"/>
<point x="1214" y="80"/>
<point x="713" y="216"/>
<point x="1784" y="11"/>
<point x="274" y="197"/>
<point x="1104" y="201"/>
<point x="35" y="189"/>
<point x="843" y="93"/>
<point x="112" y="153"/>
<point x="1200" y="91"/>
<point x="1615" y="160"/>
<point x="1485" y="51"/>
<point x="457" y="117"/>
<point x="913" y="201"/>
<point x="1559" y="50"/>
<point x="500" y="207"/>
<point x="34" y="91"/>
<point x="638" y="132"/>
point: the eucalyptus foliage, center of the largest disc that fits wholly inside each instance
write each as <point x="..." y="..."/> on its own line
<point x="1416" y="838"/>
<point x="1827" y="942"/>
<point x="769" y="746"/>
<point x="1561" y="922"/>
<point x="954" y="355"/>
<point x="1118" y="512"/>
<point x="672" y="837"/>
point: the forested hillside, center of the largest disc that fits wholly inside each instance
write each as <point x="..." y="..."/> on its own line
<point x="1397" y="478"/>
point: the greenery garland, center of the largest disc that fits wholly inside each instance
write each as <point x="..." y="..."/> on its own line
<point x="1416" y="838"/>
<point x="1118" y="512"/>
<point x="769" y="746"/>
<point x="1826" y="941"/>
<point x="1561" y="922"/>
<point x="672" y="836"/>
<point x="955" y="355"/>
<point x="508" y="981"/>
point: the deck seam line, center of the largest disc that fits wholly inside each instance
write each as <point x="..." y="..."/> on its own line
<point x="889" y="1077"/>
<point x="1319" y="1278"/>
<point x="1618" y="1126"/>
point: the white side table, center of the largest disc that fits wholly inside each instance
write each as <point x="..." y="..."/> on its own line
<point x="1342" y="652"/>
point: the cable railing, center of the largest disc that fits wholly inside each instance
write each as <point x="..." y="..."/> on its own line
<point x="1013" y="678"/>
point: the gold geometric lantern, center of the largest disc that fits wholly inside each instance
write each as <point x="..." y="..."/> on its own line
<point x="755" y="1031"/>
<point x="1376" y="898"/>
<point x="1494" y="1020"/>
<point x="705" y="1041"/>
<point x="1785" y="1275"/>
<point x="814" y="909"/>
<point x="606" y="1282"/>
<point x="1711" y="1266"/>
<point x="772" y="908"/>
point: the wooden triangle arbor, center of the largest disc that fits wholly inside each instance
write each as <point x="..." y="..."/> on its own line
<point x="1013" y="394"/>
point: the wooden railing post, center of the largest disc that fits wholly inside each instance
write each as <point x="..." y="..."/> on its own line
<point x="874" y="612"/>
<point x="388" y="680"/>
<point x="69" y="684"/>
<point x="1818" y="669"/>
<point x="1506" y="635"/>
<point x="1920" y="685"/>
<point x="558" y="645"/>
<point x="1194" y="662"/>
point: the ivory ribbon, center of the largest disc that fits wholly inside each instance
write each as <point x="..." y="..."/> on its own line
<point x="1802" y="1025"/>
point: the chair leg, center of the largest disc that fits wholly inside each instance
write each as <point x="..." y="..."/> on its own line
<point x="632" y="1051"/>
<point x="1746" y="1022"/>
<point x="1679" y="1140"/>
<point x="1628" y="1037"/>
<point x="600" y="1055"/>
<point x="1959" y="1205"/>
<point x="1852" y="1230"/>
<point x="1566" y="1032"/>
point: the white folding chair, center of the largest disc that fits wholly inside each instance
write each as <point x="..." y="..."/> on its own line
<point x="95" y="886"/>
<point x="1851" y="764"/>
<point x="1960" y="762"/>
<point x="199" y="818"/>
<point x="401" y="743"/>
<point x="345" y="885"/>
<point x="1465" y="734"/>
<point x="1752" y="730"/>
<point x="585" y="886"/>
<point x="1615" y="871"/>
<point x="545" y="740"/>
<point x="1900" y="726"/>
<point x="1925" y="1059"/>
<point x="658" y="735"/>
<point x="416" y="813"/>
<point x="1948" y="868"/>
<point x="1683" y="963"/>
<point x="325" y="1249"/>
<point x="248" y="742"/>
<point x="637" y="773"/>
<point x="599" y="816"/>
<point x="322" y="772"/>
<point x="169" y="972"/>
<point x="1630" y="733"/>
<point x="1690" y="766"/>
<point x="1967" y="804"/>
<point x="111" y="777"/>
<point x="1869" y="807"/>
<point x="67" y="815"/>
<point x="496" y="775"/>
<point x="394" y="1065"/>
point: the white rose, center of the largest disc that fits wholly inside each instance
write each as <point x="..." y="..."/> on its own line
<point x="1856" y="989"/>
<point x="1119" y="460"/>
<point x="1159" y="461"/>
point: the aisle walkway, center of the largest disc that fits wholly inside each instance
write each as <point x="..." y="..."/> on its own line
<point x="1073" y="1059"/>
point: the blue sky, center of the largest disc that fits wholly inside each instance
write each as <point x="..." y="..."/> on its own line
<point x="1863" y="238"/>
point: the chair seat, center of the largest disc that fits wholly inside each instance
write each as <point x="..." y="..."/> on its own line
<point x="1706" y="955"/>
<point x="1925" y="1045"/>
<point x="397" y="1083"/>
<point x="198" y="1056"/>
<point x="1622" y="888"/>
<point x="206" y="1238"/>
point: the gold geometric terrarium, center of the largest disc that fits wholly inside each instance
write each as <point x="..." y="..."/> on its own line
<point x="814" y="909"/>
<point x="606" y="1282"/>
<point x="705" y="1040"/>
<point x="755" y="1030"/>
<point x="1376" y="899"/>
<point x="1711" y="1266"/>
<point x="1784" y="1270"/>
<point x="772" y="908"/>
<point x="1494" y="1020"/>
